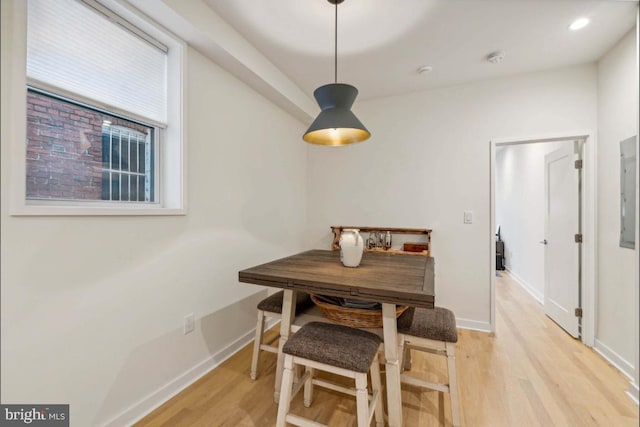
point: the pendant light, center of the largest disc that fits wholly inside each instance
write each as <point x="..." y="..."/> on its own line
<point x="336" y="125"/>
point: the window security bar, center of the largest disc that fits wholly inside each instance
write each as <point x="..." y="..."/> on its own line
<point x="126" y="176"/>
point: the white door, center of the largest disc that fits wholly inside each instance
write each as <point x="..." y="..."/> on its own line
<point x="562" y="253"/>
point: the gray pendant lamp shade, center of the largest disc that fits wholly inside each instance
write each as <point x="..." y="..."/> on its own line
<point x="336" y="124"/>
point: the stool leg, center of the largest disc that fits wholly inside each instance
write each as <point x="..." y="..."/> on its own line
<point x="453" y="383"/>
<point x="362" y="400"/>
<point x="405" y="353"/>
<point x="285" y="391"/>
<point x="406" y="359"/>
<point x="376" y="386"/>
<point x="308" y="387"/>
<point x="256" y="345"/>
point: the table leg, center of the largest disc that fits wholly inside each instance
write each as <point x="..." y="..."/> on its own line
<point x="288" y="314"/>
<point x="394" y="396"/>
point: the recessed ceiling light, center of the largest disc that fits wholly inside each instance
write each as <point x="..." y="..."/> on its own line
<point x="425" y="69"/>
<point x="579" y="23"/>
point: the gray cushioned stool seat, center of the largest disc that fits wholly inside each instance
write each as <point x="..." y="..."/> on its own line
<point x="335" y="345"/>
<point x="437" y="324"/>
<point x="273" y="303"/>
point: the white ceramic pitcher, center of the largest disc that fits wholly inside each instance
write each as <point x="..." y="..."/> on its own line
<point x="351" y="247"/>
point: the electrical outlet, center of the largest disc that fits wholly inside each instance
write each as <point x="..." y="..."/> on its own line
<point x="189" y="323"/>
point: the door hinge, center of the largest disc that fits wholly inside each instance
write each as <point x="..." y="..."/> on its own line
<point x="578" y="312"/>
<point x="578" y="238"/>
<point x="578" y="164"/>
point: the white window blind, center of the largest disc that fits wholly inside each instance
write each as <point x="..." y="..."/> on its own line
<point x="74" y="48"/>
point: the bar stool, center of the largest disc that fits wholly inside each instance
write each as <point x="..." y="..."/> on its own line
<point x="337" y="349"/>
<point x="271" y="307"/>
<point x="434" y="331"/>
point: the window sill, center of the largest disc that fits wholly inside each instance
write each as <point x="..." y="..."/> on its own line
<point x="34" y="210"/>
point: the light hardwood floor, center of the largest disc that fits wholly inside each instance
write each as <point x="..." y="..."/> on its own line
<point x="531" y="373"/>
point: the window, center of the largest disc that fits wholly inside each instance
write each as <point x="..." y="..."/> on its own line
<point x="104" y="102"/>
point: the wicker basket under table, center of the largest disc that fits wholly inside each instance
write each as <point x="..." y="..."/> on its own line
<point x="356" y="317"/>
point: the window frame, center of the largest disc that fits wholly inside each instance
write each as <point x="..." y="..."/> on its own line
<point x="170" y="142"/>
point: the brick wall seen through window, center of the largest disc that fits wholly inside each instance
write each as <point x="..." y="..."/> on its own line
<point x="67" y="157"/>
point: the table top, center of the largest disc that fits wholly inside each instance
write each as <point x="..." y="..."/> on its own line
<point x="381" y="277"/>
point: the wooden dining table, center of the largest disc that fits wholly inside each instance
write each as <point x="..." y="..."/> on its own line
<point x="390" y="279"/>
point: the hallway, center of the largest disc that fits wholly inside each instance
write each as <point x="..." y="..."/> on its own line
<point x="534" y="373"/>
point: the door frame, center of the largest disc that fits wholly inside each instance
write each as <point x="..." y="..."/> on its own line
<point x="588" y="207"/>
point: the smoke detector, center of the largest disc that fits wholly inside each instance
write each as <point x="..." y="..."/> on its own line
<point x="496" y="57"/>
<point x="425" y="69"/>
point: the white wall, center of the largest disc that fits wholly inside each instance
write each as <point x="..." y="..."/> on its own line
<point x="519" y="199"/>
<point x="93" y="307"/>
<point x="617" y="120"/>
<point x="428" y="161"/>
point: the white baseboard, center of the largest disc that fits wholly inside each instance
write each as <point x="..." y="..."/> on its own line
<point x="615" y="359"/>
<point x="537" y="295"/>
<point x="633" y="392"/>
<point x="270" y="323"/>
<point x="143" y="407"/>
<point x="473" y="325"/>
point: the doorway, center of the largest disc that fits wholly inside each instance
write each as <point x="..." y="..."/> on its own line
<point x="528" y="242"/>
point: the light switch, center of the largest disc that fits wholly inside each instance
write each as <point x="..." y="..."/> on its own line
<point x="468" y="217"/>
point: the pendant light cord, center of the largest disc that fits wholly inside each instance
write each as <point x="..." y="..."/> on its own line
<point x="335" y="48"/>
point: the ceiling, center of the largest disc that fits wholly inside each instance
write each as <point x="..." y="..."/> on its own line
<point x="382" y="43"/>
